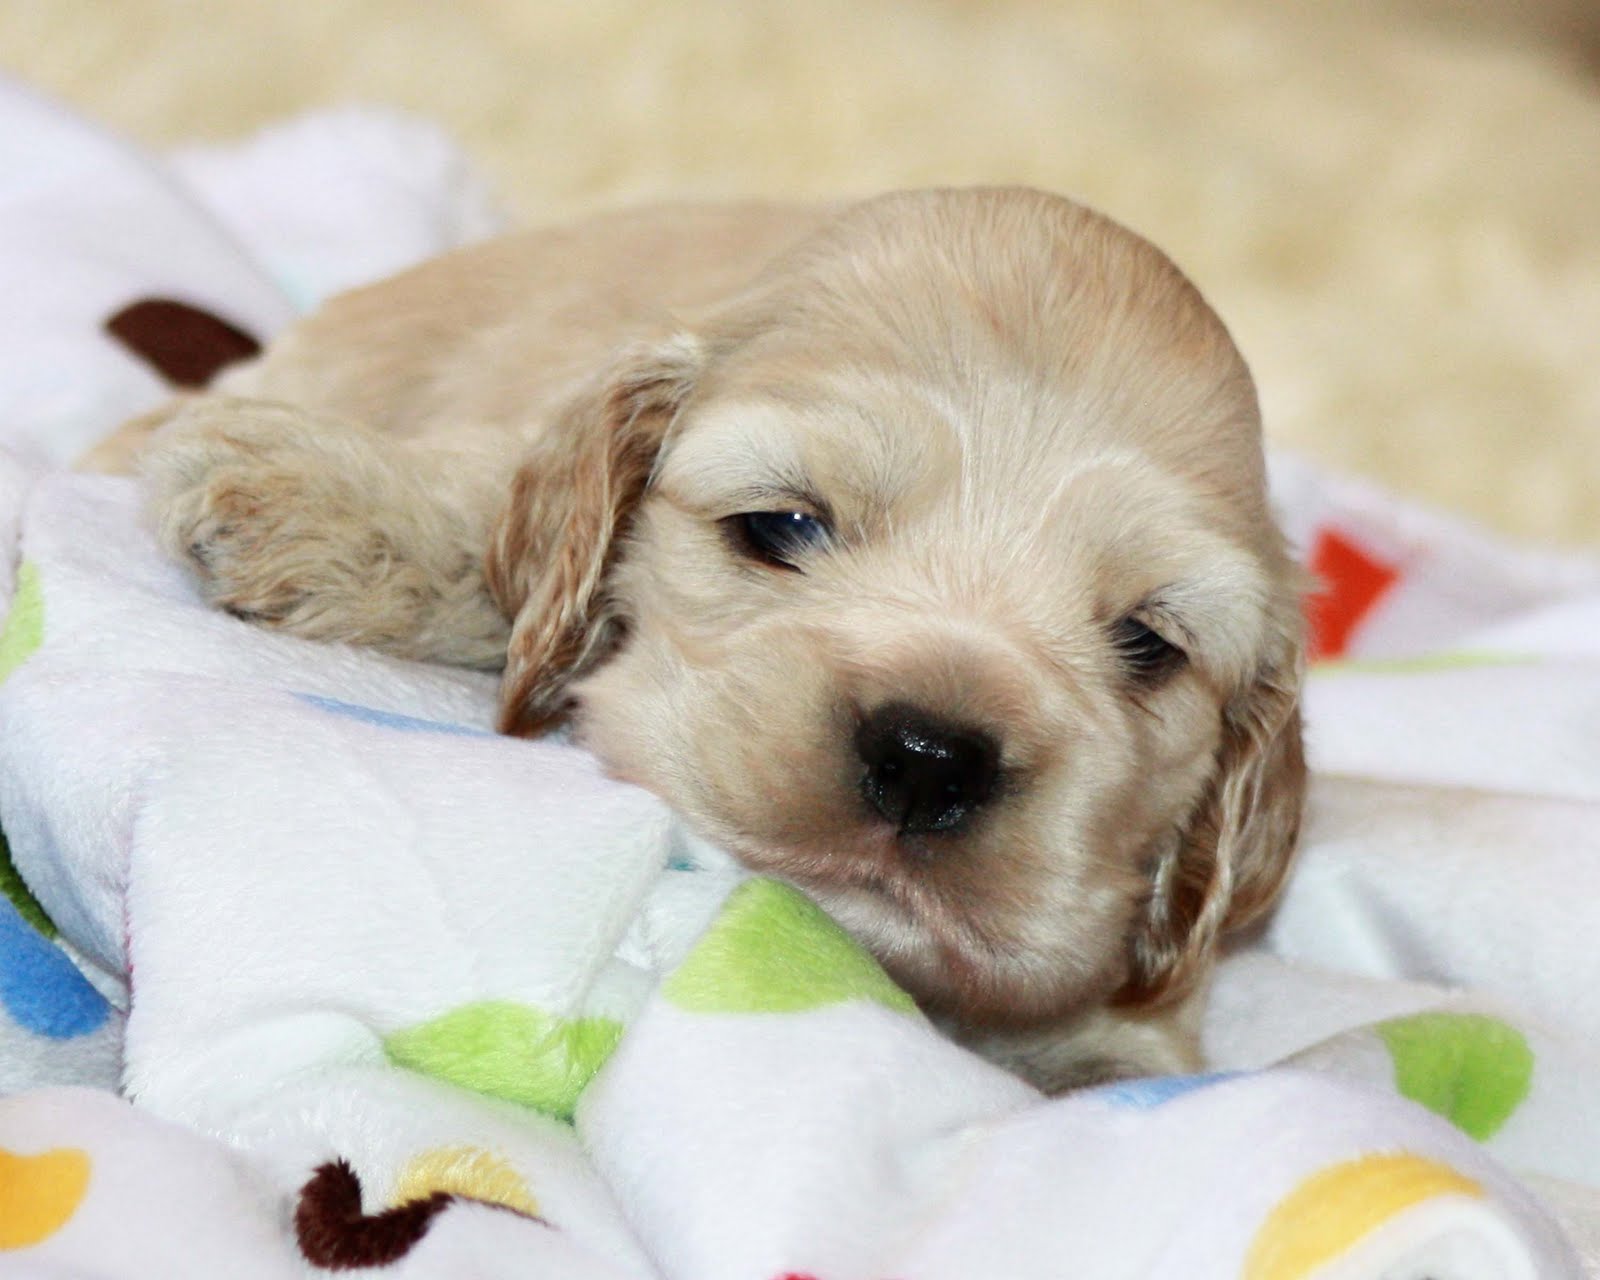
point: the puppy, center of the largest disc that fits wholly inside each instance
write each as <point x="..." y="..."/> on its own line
<point x="917" y="551"/>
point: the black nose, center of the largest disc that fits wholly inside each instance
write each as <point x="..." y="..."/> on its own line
<point x="922" y="774"/>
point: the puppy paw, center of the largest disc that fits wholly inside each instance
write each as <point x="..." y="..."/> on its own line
<point x="266" y="505"/>
<point x="319" y="527"/>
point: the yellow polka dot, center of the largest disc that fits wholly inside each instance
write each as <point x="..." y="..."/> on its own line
<point x="38" y="1194"/>
<point x="1333" y="1209"/>
<point x="464" y="1171"/>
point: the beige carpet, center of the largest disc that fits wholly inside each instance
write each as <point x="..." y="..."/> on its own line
<point x="1396" y="206"/>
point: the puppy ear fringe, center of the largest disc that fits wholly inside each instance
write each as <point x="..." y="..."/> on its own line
<point x="553" y="546"/>
<point x="1228" y="866"/>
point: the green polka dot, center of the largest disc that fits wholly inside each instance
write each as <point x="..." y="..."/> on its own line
<point x="22" y="635"/>
<point x="1471" y="1069"/>
<point x="24" y="629"/>
<point x="1422" y="664"/>
<point x="510" y="1051"/>
<point x="773" y="950"/>
<point x="13" y="886"/>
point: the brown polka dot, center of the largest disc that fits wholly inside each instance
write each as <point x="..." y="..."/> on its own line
<point x="184" y="344"/>
<point x="335" y="1235"/>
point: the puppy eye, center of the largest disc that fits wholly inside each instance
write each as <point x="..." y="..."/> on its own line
<point x="1145" y="655"/>
<point x="778" y="538"/>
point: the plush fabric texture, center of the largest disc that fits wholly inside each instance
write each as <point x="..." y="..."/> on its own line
<point x="353" y="982"/>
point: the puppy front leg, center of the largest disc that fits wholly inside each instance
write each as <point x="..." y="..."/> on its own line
<point x="320" y="527"/>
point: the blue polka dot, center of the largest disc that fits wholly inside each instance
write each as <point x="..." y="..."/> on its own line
<point x="390" y="719"/>
<point x="39" y="987"/>
<point x="1143" y="1095"/>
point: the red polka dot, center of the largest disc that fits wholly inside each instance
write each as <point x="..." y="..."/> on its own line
<point x="1353" y="581"/>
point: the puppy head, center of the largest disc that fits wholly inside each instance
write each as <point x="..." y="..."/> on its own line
<point x="935" y="574"/>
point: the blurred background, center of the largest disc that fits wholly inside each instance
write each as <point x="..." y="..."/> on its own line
<point x="1394" y="203"/>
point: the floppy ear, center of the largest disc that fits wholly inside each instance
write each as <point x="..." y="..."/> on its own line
<point x="553" y="546"/>
<point x="1227" y="866"/>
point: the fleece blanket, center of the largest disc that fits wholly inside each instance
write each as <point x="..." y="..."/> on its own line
<point x="302" y="969"/>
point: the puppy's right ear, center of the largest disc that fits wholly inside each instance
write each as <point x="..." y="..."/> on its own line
<point x="553" y="546"/>
<point x="1227" y="867"/>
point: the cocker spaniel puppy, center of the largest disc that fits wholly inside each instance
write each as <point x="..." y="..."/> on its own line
<point x="917" y="551"/>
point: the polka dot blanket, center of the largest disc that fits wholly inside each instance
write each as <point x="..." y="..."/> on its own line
<point x="304" y="970"/>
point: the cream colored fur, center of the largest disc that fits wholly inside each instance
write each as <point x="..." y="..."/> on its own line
<point x="1023" y="432"/>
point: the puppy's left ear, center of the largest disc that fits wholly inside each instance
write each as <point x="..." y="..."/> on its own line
<point x="1226" y="868"/>
<point x="553" y="546"/>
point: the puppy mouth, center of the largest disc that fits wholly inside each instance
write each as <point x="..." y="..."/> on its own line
<point x="871" y="872"/>
<point x="934" y="944"/>
<point x="880" y="870"/>
<point x="865" y="861"/>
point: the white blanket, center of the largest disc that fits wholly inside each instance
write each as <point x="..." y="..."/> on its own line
<point x="384" y="989"/>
